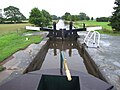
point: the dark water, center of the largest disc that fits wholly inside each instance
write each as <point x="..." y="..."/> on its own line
<point x="49" y="58"/>
<point x="70" y="49"/>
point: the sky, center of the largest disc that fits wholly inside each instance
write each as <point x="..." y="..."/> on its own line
<point x="93" y="8"/>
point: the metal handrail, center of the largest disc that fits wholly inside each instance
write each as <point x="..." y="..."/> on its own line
<point x="89" y="36"/>
<point x="64" y="63"/>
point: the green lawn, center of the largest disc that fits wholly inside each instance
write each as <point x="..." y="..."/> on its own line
<point x="92" y="24"/>
<point x="12" y="41"/>
<point x="106" y="28"/>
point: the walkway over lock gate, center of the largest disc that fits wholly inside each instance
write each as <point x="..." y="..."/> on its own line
<point x="62" y="32"/>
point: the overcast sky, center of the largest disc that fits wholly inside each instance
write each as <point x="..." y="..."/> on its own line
<point x="93" y="8"/>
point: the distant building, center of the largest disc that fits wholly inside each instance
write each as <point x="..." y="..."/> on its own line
<point x="0" y="12"/>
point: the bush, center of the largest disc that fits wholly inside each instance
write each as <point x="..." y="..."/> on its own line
<point x="102" y="19"/>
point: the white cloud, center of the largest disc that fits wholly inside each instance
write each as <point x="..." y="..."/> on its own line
<point x="95" y="8"/>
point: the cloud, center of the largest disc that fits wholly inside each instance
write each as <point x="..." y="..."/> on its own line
<point x="93" y="8"/>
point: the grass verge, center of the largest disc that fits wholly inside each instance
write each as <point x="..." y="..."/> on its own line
<point x="93" y="24"/>
<point x="12" y="42"/>
<point x="106" y="28"/>
<point x="7" y="28"/>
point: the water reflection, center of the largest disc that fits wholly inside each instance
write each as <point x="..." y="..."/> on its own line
<point x="70" y="48"/>
<point x="63" y="46"/>
<point x="49" y="57"/>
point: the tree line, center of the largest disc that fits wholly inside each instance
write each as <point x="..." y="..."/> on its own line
<point x="81" y="16"/>
<point x="103" y="19"/>
<point x="12" y="15"/>
<point x="43" y="18"/>
<point x="70" y="17"/>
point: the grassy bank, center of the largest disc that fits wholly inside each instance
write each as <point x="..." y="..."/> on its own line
<point x="92" y="24"/>
<point x="12" y="41"/>
<point x="106" y="28"/>
<point x="7" y="28"/>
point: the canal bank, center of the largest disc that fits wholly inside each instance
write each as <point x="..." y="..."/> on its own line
<point x="105" y="59"/>
<point x="25" y="61"/>
<point x="47" y="62"/>
<point x="17" y="63"/>
<point x="45" y="56"/>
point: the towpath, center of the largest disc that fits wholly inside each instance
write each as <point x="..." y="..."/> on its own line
<point x="107" y="58"/>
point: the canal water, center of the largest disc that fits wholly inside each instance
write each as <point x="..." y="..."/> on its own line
<point x="49" y="56"/>
<point x="77" y="58"/>
<point x="71" y="53"/>
<point x="70" y="48"/>
<point x="61" y="25"/>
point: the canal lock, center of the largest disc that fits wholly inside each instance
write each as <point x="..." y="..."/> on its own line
<point x="37" y="63"/>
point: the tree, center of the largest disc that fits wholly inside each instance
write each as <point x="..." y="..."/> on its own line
<point x="0" y="13"/>
<point x="1" y="20"/>
<point x="115" y="19"/>
<point x="23" y="17"/>
<point x="39" y="18"/>
<point x="13" y="14"/>
<point x="74" y="17"/>
<point x="36" y="17"/>
<point x="47" y="17"/>
<point x="92" y="18"/>
<point x="67" y="16"/>
<point x="102" y="19"/>
<point x="54" y="17"/>
<point x="82" y="16"/>
<point x="87" y="18"/>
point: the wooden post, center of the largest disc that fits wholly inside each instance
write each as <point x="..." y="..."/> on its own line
<point x="54" y="27"/>
<point x="84" y="26"/>
<point x="67" y="71"/>
<point x="70" y="27"/>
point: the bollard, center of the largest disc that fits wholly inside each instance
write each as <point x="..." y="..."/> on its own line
<point x="84" y="26"/>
